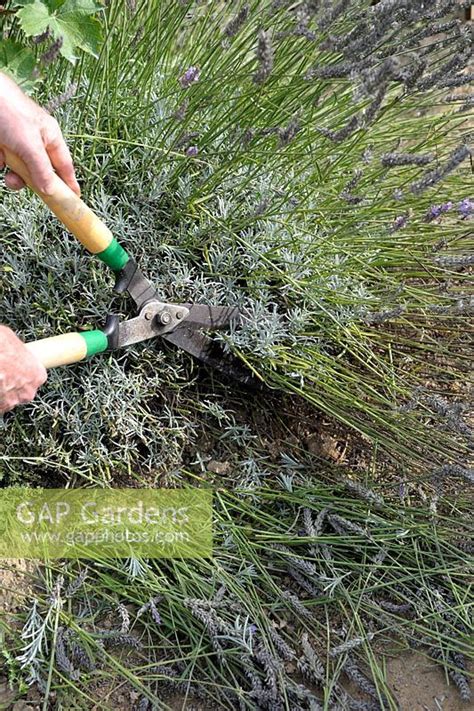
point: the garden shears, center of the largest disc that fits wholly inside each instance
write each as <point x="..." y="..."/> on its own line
<point x="180" y="324"/>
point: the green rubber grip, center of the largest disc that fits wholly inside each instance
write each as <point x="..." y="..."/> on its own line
<point x="114" y="256"/>
<point x="96" y="342"/>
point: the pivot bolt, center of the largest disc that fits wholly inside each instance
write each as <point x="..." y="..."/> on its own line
<point x="165" y="318"/>
<point x="179" y="315"/>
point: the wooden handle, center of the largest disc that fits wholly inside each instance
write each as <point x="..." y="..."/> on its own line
<point x="59" y="350"/>
<point x="68" y="348"/>
<point x="70" y="209"/>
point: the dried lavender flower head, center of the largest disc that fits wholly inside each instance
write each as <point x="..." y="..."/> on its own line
<point x="236" y="23"/>
<point x="265" y="58"/>
<point x="52" y="53"/>
<point x="192" y="151"/>
<point x="190" y="76"/>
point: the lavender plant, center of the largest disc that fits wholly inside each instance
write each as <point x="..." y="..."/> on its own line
<point x="295" y="160"/>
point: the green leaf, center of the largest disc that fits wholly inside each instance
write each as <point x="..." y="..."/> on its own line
<point x="70" y="19"/>
<point x="18" y="62"/>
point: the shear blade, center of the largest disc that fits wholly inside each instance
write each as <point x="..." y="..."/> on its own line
<point x="211" y="317"/>
<point x="209" y="352"/>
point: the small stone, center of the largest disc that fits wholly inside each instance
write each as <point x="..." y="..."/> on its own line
<point x="218" y="467"/>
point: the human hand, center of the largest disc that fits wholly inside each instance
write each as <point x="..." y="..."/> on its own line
<point x="21" y="373"/>
<point x="33" y="135"/>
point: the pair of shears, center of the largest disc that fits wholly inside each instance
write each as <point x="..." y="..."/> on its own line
<point x="185" y="325"/>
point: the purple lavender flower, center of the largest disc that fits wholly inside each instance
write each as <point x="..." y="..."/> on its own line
<point x="466" y="208"/>
<point x="190" y="76"/>
<point x="436" y="211"/>
<point x="192" y="151"/>
<point x="399" y="223"/>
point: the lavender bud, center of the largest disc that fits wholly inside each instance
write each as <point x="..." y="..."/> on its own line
<point x="456" y="80"/>
<point x="390" y="160"/>
<point x="350" y="644"/>
<point x="52" y="53"/>
<point x="265" y="58"/>
<point x="154" y="612"/>
<point x="57" y="101"/>
<point x="359" y="679"/>
<point x="455" y="261"/>
<point x="466" y="208"/>
<point x="192" y="151"/>
<point x="343" y="133"/>
<point x="436" y="211"/>
<point x="76" y="584"/>
<point x="435" y="176"/>
<point x="456" y="470"/>
<point x="236" y="23"/>
<point x="296" y="604"/>
<point x="342" y="525"/>
<point x="399" y="223"/>
<point x="125" y="617"/>
<point x="39" y="39"/>
<point x="284" y="650"/>
<point x="180" y="112"/>
<point x="190" y="76"/>
<point x="287" y="134"/>
<point x="363" y="493"/>
<point x="378" y="317"/>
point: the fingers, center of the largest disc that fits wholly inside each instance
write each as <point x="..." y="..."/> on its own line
<point x="39" y="167"/>
<point x="14" y="182"/>
<point x="62" y="162"/>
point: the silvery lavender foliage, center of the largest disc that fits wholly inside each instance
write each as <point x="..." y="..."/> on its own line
<point x="264" y="55"/>
<point x="433" y="177"/>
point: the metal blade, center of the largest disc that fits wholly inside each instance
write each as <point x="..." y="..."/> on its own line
<point x="210" y="317"/>
<point x="210" y="352"/>
<point x="155" y="319"/>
